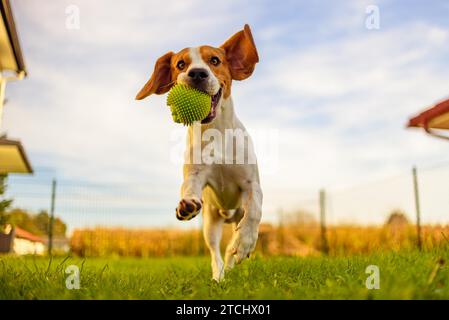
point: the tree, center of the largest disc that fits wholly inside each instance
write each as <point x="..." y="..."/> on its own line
<point x="21" y="219"/>
<point x="42" y="222"/>
<point x="397" y="218"/>
<point x="4" y="203"/>
<point x="37" y="224"/>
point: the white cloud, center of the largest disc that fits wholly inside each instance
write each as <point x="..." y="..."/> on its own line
<point x="360" y="63"/>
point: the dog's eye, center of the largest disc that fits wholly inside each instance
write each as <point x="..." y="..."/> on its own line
<point x="215" y="61"/>
<point x="181" y="64"/>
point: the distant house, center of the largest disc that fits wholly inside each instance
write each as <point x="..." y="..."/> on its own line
<point x="18" y="241"/>
<point x="60" y="244"/>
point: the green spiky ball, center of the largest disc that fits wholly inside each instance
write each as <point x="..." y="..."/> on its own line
<point x="188" y="104"/>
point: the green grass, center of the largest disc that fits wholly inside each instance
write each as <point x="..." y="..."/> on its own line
<point x="403" y="275"/>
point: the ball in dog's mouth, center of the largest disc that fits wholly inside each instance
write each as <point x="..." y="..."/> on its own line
<point x="213" y="110"/>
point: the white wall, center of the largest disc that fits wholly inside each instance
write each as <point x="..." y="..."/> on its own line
<point x="23" y="246"/>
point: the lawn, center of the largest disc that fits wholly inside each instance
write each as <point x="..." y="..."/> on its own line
<point x="403" y="275"/>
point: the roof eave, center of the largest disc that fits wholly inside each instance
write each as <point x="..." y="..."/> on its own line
<point x="423" y="119"/>
<point x="10" y="26"/>
<point x="20" y="148"/>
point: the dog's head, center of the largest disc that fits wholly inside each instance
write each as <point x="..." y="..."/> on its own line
<point x="206" y="68"/>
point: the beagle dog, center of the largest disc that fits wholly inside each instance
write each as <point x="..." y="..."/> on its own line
<point x="220" y="177"/>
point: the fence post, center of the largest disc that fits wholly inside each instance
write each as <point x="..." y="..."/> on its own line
<point x="417" y="206"/>
<point x="324" y="243"/>
<point x="52" y="217"/>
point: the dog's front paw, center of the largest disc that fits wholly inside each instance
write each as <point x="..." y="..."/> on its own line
<point x="188" y="208"/>
<point x="244" y="242"/>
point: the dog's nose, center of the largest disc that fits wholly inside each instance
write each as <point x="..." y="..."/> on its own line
<point x="198" y="74"/>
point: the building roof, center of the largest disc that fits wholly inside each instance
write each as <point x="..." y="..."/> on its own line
<point x="434" y="120"/>
<point x="13" y="158"/>
<point x="436" y="117"/>
<point x="20" y="233"/>
<point x="10" y="52"/>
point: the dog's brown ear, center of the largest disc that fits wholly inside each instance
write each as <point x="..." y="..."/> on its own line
<point x="160" y="81"/>
<point x="241" y="54"/>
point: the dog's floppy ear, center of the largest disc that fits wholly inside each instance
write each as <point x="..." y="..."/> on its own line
<point x="241" y="54"/>
<point x="160" y="81"/>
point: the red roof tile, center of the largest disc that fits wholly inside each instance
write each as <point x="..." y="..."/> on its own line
<point x="20" y="233"/>
<point x="425" y="117"/>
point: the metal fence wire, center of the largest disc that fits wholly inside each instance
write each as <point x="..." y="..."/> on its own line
<point x="405" y="210"/>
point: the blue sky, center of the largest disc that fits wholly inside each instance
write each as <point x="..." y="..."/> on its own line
<point x="337" y="94"/>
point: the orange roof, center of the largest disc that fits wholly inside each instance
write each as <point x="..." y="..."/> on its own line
<point x="20" y="233"/>
<point x="437" y="117"/>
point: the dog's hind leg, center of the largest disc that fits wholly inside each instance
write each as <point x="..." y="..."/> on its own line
<point x="229" y="255"/>
<point x="212" y="229"/>
<point x="246" y="233"/>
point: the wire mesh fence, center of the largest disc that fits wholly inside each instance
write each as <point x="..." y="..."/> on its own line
<point x="134" y="219"/>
